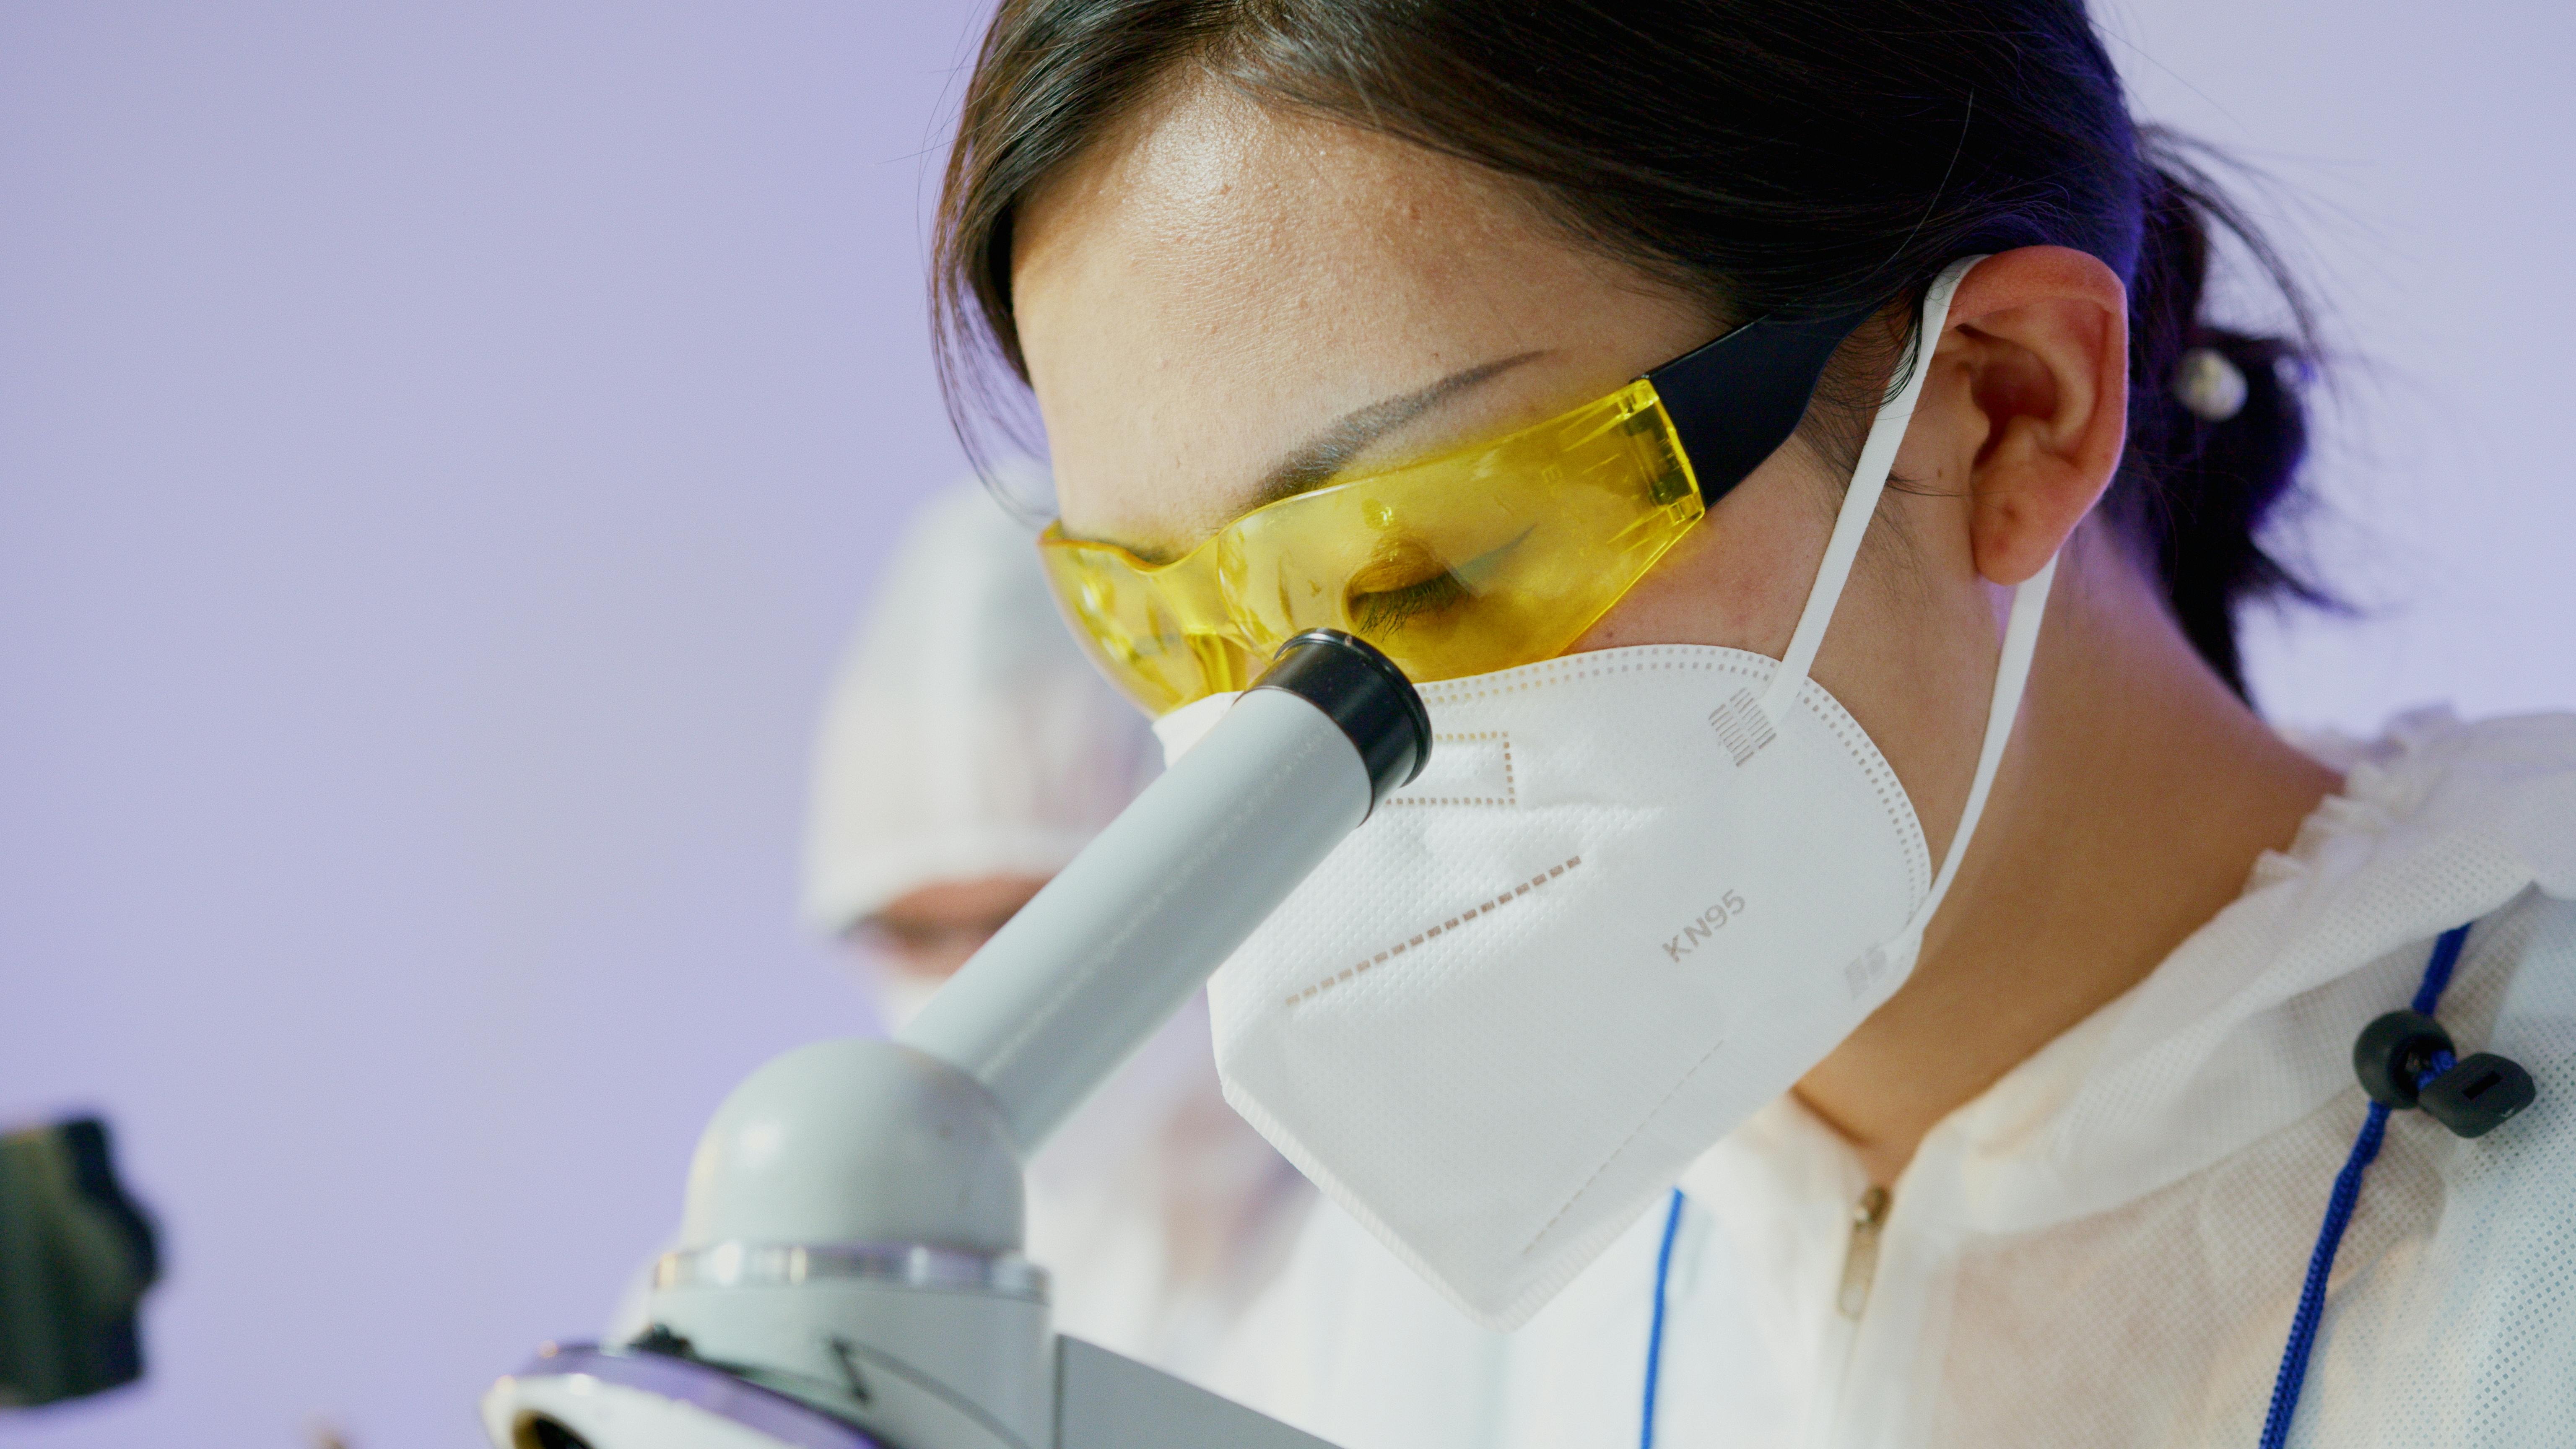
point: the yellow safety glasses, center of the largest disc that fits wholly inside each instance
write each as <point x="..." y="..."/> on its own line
<point x="1497" y="555"/>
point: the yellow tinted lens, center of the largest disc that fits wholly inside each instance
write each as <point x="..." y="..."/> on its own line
<point x="1160" y="634"/>
<point x="1480" y="560"/>
<point x="1477" y="561"/>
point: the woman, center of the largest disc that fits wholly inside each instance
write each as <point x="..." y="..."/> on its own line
<point x="1784" y="443"/>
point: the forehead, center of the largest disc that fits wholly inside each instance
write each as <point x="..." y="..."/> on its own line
<point x="1210" y="204"/>
<point x="1216" y="282"/>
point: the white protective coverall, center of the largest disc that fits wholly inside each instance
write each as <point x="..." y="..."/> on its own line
<point x="968" y="737"/>
<point x="2105" y="1248"/>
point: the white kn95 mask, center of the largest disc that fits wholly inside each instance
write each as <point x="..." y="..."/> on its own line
<point x="1636" y="895"/>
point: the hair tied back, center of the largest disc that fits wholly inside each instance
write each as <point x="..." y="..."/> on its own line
<point x="2208" y="385"/>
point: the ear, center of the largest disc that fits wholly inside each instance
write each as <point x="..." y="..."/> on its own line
<point x="2027" y="402"/>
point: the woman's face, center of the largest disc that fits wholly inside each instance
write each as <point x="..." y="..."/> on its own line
<point x="1219" y="297"/>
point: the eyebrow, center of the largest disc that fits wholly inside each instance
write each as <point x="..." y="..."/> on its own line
<point x="1316" y="461"/>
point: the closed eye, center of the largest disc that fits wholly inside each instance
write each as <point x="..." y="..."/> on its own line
<point x="1388" y="610"/>
<point x="1378" y="605"/>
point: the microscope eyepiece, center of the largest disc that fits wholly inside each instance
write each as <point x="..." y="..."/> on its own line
<point x="1363" y="693"/>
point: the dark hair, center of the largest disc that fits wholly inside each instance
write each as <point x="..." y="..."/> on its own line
<point x="1791" y="157"/>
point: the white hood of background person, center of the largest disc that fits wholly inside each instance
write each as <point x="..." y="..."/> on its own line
<point x="968" y="737"/>
<point x="2106" y="1246"/>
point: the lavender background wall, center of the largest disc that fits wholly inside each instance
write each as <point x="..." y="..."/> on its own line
<point x="442" y="448"/>
<point x="2426" y="155"/>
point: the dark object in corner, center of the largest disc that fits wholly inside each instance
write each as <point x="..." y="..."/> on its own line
<point x="75" y="1256"/>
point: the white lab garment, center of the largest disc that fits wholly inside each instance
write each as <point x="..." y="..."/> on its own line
<point x="968" y="737"/>
<point x="2105" y="1248"/>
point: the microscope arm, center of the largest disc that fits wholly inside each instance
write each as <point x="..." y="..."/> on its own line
<point x="1092" y="966"/>
<point x="853" y="1225"/>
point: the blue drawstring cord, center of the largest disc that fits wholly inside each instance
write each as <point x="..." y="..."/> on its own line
<point x="1655" y="1334"/>
<point x="2347" y="1190"/>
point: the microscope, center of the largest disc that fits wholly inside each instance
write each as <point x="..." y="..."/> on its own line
<point x="849" y="1273"/>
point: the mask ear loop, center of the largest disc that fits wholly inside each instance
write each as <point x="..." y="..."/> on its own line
<point x="1860" y="505"/>
<point x="1860" y="500"/>
<point x="2012" y="672"/>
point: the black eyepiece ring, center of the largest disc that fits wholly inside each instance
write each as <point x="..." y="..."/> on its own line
<point x="1363" y="692"/>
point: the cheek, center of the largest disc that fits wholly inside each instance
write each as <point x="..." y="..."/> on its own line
<point x="1736" y="581"/>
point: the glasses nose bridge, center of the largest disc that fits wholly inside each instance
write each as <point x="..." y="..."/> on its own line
<point x="1211" y="630"/>
<point x="1199" y="587"/>
<point x="1274" y="583"/>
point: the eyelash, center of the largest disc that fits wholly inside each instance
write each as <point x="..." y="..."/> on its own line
<point x="1381" y="612"/>
<point x="1384" y="613"/>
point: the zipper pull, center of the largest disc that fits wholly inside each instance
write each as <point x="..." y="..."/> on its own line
<point x="1860" y="1263"/>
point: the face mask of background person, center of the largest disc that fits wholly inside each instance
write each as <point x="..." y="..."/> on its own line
<point x="968" y="752"/>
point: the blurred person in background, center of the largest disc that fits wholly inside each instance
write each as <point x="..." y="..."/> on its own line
<point x="967" y="753"/>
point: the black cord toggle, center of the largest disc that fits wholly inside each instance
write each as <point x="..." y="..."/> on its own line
<point x="2405" y="1059"/>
